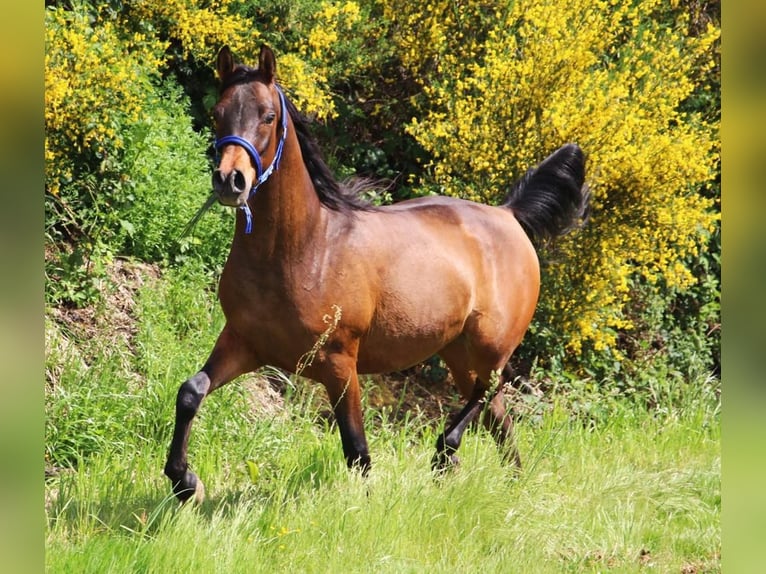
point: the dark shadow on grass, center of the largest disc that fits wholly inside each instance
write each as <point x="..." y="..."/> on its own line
<point x="275" y="486"/>
<point x="126" y="515"/>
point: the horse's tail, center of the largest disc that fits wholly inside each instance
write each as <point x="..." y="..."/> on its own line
<point x="552" y="198"/>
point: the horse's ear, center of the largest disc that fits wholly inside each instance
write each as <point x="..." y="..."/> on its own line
<point x="224" y="63"/>
<point x="267" y="63"/>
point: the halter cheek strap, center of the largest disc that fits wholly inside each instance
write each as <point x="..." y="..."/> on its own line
<point x="261" y="174"/>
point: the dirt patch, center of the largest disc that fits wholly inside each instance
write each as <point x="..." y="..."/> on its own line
<point x="111" y="321"/>
<point x="114" y="315"/>
<point x="397" y="394"/>
<point x="413" y="392"/>
<point x="703" y="567"/>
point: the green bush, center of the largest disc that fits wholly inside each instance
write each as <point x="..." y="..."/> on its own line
<point x="127" y="129"/>
<point x="169" y="180"/>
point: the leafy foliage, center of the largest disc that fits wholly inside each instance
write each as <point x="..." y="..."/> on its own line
<point x="504" y="87"/>
<point x="436" y="97"/>
<point x="169" y="176"/>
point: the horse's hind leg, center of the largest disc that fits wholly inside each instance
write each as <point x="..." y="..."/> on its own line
<point x="457" y="359"/>
<point x="449" y="441"/>
<point x="499" y="422"/>
<point x="228" y="360"/>
<point x="474" y="388"/>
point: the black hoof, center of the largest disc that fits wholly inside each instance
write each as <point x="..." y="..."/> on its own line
<point x="361" y="463"/>
<point x="442" y="462"/>
<point x="189" y="486"/>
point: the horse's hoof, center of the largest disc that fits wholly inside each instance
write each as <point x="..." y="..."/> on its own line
<point x="189" y="486"/>
<point x="199" y="492"/>
<point x="443" y="462"/>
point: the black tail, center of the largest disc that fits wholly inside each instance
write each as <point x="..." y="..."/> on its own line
<point x="552" y="198"/>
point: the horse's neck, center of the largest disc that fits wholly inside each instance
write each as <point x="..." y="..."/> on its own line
<point x="286" y="211"/>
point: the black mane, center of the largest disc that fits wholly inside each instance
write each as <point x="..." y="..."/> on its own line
<point x="338" y="196"/>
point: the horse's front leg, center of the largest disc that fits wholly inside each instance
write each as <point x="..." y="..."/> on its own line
<point x="229" y="359"/>
<point x="338" y="374"/>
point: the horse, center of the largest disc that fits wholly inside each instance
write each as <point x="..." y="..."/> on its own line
<point x="428" y="276"/>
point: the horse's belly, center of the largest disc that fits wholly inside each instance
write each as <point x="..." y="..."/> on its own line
<point x="395" y="356"/>
<point x="397" y="345"/>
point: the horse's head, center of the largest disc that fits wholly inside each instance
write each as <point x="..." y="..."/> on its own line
<point x="251" y="122"/>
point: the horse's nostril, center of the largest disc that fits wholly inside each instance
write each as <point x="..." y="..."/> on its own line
<point x="239" y="181"/>
<point x="218" y="179"/>
<point x="229" y="182"/>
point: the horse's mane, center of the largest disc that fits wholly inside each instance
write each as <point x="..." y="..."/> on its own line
<point x="336" y="195"/>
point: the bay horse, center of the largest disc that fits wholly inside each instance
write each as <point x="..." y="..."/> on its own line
<point x="432" y="275"/>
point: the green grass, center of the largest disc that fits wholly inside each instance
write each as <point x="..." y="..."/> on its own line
<point x="639" y="494"/>
<point x="628" y="491"/>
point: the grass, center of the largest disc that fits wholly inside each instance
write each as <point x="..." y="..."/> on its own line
<point x="633" y="491"/>
<point x="640" y="494"/>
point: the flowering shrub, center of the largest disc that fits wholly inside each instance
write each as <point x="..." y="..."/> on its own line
<point x="318" y="43"/>
<point x="96" y="78"/>
<point x="196" y="28"/>
<point x="458" y="97"/>
<point x="503" y="87"/>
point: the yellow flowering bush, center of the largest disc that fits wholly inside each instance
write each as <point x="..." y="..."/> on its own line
<point x="314" y="41"/>
<point x="103" y="68"/>
<point x="95" y="80"/>
<point x="504" y="86"/>
<point x="197" y="28"/>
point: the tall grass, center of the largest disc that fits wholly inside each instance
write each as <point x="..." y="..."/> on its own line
<point x="633" y="490"/>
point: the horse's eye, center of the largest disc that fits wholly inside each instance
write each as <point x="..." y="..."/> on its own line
<point x="218" y="113"/>
<point x="269" y="118"/>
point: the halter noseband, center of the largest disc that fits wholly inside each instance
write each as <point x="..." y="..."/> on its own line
<point x="261" y="174"/>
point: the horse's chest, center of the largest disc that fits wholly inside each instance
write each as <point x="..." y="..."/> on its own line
<point x="255" y="301"/>
<point x="271" y="314"/>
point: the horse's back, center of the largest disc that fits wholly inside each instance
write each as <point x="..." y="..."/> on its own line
<point x="487" y="240"/>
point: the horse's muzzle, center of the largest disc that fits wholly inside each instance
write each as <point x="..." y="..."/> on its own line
<point x="231" y="188"/>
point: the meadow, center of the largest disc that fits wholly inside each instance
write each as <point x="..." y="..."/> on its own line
<point x="609" y="483"/>
<point x="619" y="427"/>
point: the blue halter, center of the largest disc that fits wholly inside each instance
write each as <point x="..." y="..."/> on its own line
<point x="261" y="174"/>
